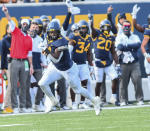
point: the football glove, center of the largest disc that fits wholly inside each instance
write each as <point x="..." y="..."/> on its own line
<point x="75" y="10"/>
<point x="135" y="11"/>
<point x="69" y="3"/>
<point x="46" y="51"/>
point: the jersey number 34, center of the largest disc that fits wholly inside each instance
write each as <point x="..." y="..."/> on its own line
<point x="82" y="48"/>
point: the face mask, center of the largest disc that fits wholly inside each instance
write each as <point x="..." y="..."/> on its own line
<point x="106" y="29"/>
<point x="126" y="29"/>
<point x="25" y="29"/>
<point x="83" y="31"/>
<point x="53" y="37"/>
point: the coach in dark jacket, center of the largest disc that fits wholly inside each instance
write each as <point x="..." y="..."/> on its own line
<point x="5" y="66"/>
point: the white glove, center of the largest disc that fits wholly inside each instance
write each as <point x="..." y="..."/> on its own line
<point x="69" y="3"/>
<point x="135" y="11"/>
<point x="75" y="10"/>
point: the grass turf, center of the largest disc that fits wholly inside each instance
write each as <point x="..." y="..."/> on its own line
<point x="132" y="119"/>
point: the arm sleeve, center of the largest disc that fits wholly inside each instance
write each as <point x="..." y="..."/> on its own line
<point x="121" y="47"/>
<point x="66" y="22"/>
<point x="134" y="46"/>
<point x="12" y="25"/>
<point x="114" y="29"/>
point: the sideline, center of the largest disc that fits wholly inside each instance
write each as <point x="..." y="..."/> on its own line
<point x="78" y="110"/>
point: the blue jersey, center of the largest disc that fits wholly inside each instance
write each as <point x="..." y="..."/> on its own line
<point x="102" y="46"/>
<point x="147" y="34"/>
<point x="65" y="62"/>
<point x="82" y="45"/>
<point x="146" y="26"/>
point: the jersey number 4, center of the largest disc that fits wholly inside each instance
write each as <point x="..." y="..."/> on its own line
<point x="104" y="44"/>
<point x="82" y="48"/>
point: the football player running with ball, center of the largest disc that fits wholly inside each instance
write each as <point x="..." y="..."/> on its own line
<point x="61" y="66"/>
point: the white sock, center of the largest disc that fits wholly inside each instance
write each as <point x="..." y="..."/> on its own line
<point x="77" y="98"/>
<point x="114" y="95"/>
<point x="48" y="92"/>
<point x="86" y="94"/>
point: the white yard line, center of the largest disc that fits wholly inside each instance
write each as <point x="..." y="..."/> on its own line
<point x="78" y="110"/>
<point x="12" y="125"/>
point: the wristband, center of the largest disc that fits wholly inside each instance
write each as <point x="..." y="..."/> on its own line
<point x="146" y="55"/>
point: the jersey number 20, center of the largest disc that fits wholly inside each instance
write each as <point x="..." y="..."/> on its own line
<point x="104" y="44"/>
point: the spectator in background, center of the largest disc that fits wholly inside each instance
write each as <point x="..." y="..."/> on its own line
<point x="82" y="56"/>
<point x="103" y="86"/>
<point x="146" y="43"/>
<point x="8" y="1"/>
<point x="127" y="46"/>
<point x="121" y="19"/>
<point x="145" y="47"/>
<point x="27" y="1"/>
<point x="39" y="60"/>
<point x="45" y="20"/>
<point x="21" y="47"/>
<point x="103" y="62"/>
<point x="5" y="66"/>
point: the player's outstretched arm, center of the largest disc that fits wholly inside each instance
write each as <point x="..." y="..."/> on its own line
<point x="67" y="19"/>
<point x="5" y="10"/>
<point x="93" y="31"/>
<point x="109" y="17"/>
<point x="138" y="27"/>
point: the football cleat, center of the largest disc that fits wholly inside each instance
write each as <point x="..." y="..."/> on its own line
<point x="7" y="110"/>
<point x="97" y="107"/>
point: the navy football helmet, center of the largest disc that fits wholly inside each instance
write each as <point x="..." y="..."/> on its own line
<point x="105" y="26"/>
<point x="45" y="21"/>
<point x="83" y="28"/>
<point x="44" y="18"/>
<point x="53" y="30"/>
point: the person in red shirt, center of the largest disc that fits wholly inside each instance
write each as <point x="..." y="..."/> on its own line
<point x="21" y="47"/>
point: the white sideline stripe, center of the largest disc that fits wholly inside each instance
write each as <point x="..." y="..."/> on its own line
<point x="125" y="107"/>
<point x="12" y="125"/>
<point x="78" y="110"/>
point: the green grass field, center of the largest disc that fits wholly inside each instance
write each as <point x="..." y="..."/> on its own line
<point x="132" y="119"/>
